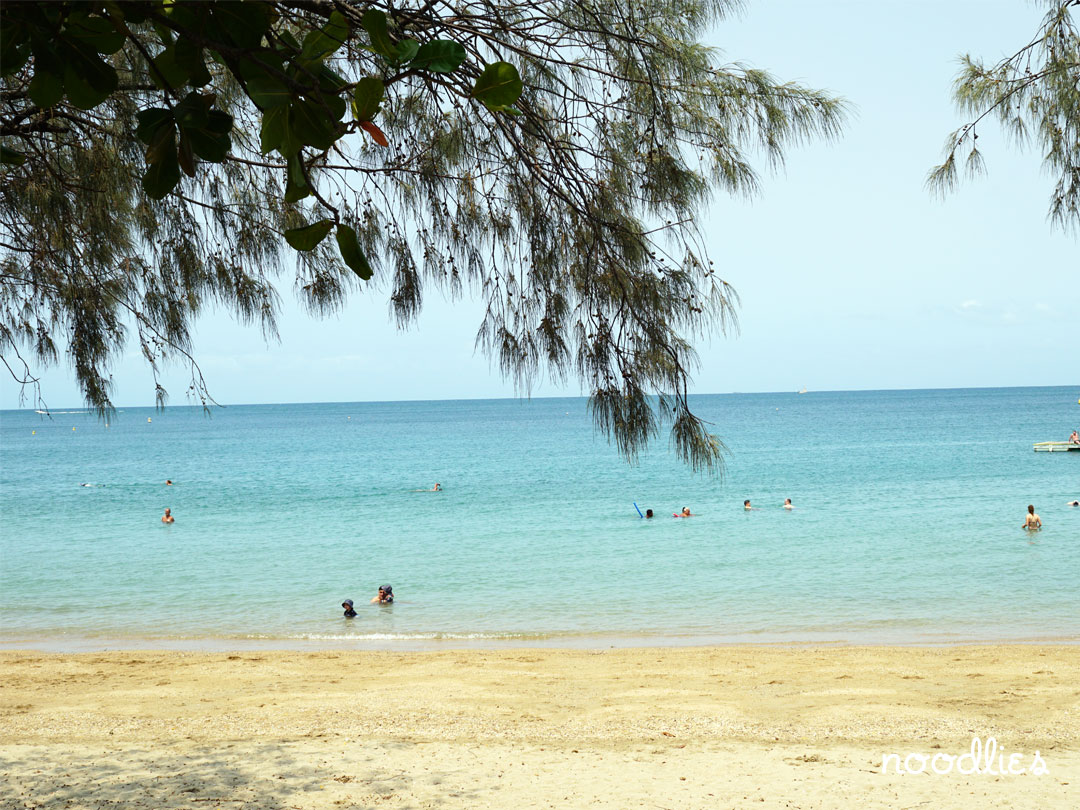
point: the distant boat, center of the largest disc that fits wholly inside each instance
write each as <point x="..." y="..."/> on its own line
<point x="802" y="390"/>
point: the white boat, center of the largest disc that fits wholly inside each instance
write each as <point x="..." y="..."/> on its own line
<point x="801" y="390"/>
<point x="1055" y="447"/>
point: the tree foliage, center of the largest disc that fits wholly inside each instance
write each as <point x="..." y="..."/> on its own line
<point x="551" y="157"/>
<point x="1035" y="96"/>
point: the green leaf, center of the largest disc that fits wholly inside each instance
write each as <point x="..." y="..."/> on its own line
<point x="208" y="145"/>
<point x="406" y="50"/>
<point x="97" y="33"/>
<point x="439" y="56"/>
<point x="46" y="88"/>
<point x="499" y="86"/>
<point x="185" y="156"/>
<point x="244" y="23"/>
<point x="219" y="122"/>
<point x="150" y="120"/>
<point x="189" y="56"/>
<point x="194" y="109"/>
<point x="12" y="58"/>
<point x="291" y="143"/>
<point x="367" y="97"/>
<point x="13" y="34"/>
<point x="88" y="89"/>
<point x="11" y="157"/>
<point x="324" y="41"/>
<point x="336" y="105"/>
<point x="129" y="12"/>
<point x="330" y="81"/>
<point x="206" y="130"/>
<point x="310" y="123"/>
<point x="99" y="74"/>
<point x="48" y="74"/>
<point x="374" y="22"/>
<point x="168" y="72"/>
<point x="162" y="143"/>
<point x="164" y="33"/>
<point x="351" y="253"/>
<point x="296" y="184"/>
<point x="289" y="40"/>
<point x="308" y="237"/>
<point x="265" y="88"/>
<point x="163" y="175"/>
<point x="272" y="131"/>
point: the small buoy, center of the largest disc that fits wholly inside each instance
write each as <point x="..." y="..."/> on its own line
<point x="148" y="419"/>
<point x="33" y="433"/>
<point x="73" y="429"/>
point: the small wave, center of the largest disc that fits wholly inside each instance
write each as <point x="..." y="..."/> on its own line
<point x="407" y="636"/>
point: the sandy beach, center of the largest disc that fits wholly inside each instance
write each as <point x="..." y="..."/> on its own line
<point x="621" y="728"/>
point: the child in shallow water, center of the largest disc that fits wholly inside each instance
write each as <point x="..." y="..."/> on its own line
<point x="348" y="605"/>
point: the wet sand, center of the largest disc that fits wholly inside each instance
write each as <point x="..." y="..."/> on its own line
<point x="652" y="728"/>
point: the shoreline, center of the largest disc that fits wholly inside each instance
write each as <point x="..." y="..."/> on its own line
<point x="435" y="642"/>
<point x="686" y="727"/>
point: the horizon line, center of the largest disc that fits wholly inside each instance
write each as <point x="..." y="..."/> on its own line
<point x="528" y="398"/>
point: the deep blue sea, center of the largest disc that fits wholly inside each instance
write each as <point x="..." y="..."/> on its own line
<point x="906" y="527"/>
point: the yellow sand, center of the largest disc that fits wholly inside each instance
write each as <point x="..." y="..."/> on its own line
<point x="671" y="728"/>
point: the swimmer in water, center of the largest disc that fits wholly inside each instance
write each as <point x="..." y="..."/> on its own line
<point x="1073" y="503"/>
<point x="349" y="612"/>
<point x="1032" y="521"/>
<point x="648" y="513"/>
<point x="436" y="488"/>
<point x="787" y="503"/>
<point x="746" y="505"/>
<point x="684" y="513"/>
<point x="168" y="482"/>
<point x="385" y="596"/>
<point x="167" y="517"/>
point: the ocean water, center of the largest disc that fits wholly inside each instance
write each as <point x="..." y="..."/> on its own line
<point x="906" y="528"/>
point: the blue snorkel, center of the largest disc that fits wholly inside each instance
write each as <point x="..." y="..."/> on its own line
<point x="638" y="511"/>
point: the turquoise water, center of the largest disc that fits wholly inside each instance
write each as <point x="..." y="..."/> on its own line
<point x="906" y="527"/>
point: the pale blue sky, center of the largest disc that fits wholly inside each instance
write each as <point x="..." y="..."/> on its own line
<point x="851" y="275"/>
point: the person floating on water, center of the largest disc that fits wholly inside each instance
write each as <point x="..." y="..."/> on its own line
<point x="1032" y="522"/>
<point x="1073" y="503"/>
<point x="746" y="505"/>
<point x="168" y="482"/>
<point x="648" y="513"/>
<point x="349" y="612"/>
<point x="167" y="517"/>
<point x="385" y="596"/>
<point x="685" y="512"/>
<point x="787" y="503"/>
<point x="436" y="488"/>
